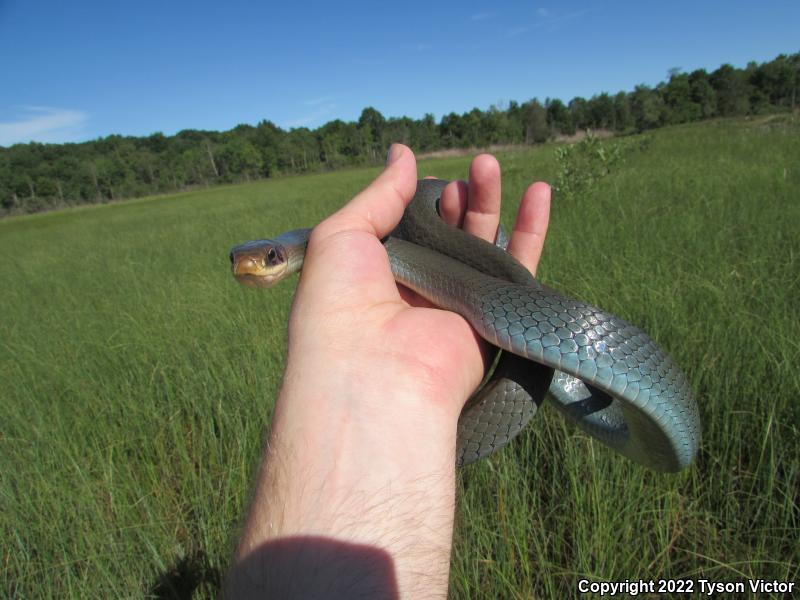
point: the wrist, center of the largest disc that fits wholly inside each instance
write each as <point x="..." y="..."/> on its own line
<point x="333" y="475"/>
<point x="352" y="445"/>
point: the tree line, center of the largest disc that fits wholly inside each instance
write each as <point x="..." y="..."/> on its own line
<point x="36" y="177"/>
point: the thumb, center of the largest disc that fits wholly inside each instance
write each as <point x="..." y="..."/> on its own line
<point x="380" y="206"/>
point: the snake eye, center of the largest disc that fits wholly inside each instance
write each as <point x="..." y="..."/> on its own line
<point x="272" y="255"/>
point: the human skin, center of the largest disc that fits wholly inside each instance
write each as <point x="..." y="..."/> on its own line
<point x="355" y="496"/>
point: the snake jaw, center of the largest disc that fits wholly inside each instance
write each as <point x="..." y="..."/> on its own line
<point x="257" y="281"/>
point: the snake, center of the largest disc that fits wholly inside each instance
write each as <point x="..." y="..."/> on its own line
<point x="602" y="373"/>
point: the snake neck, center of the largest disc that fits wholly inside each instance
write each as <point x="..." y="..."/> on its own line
<point x="295" y="243"/>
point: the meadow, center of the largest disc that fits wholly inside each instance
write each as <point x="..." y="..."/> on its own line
<point x="137" y="379"/>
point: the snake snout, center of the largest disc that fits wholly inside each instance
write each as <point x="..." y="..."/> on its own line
<point x="246" y="265"/>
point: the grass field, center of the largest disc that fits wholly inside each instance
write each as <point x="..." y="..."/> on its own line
<point x="138" y="378"/>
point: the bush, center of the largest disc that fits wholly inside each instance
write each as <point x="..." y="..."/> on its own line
<point x="584" y="164"/>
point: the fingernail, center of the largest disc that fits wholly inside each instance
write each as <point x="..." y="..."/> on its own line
<point x="395" y="150"/>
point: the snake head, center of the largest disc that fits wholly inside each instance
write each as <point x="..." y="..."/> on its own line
<point x="260" y="263"/>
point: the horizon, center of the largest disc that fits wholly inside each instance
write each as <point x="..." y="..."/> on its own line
<point x="97" y="70"/>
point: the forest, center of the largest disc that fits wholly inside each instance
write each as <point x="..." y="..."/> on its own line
<point x="36" y="177"/>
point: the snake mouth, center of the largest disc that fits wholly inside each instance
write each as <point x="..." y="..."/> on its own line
<point x="256" y="281"/>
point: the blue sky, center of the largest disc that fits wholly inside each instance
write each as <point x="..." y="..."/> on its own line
<point x="72" y="71"/>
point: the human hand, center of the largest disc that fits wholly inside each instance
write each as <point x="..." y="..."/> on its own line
<point x="362" y="447"/>
<point x="351" y="316"/>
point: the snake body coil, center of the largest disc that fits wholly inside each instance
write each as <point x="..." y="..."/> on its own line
<point x="611" y="379"/>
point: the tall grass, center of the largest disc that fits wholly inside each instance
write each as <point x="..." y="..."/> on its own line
<point x="138" y="379"/>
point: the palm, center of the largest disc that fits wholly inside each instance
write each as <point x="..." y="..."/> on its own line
<point x="372" y="323"/>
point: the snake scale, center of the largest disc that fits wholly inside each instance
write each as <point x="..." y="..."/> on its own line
<point x="603" y="373"/>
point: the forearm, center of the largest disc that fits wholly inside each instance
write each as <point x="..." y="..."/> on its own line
<point x="345" y="505"/>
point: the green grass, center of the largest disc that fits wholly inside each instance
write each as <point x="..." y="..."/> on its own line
<point x="138" y="379"/>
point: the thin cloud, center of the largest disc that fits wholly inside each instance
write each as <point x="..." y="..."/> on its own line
<point x="313" y="117"/>
<point x="573" y="15"/>
<point x="367" y="62"/>
<point x="546" y="20"/>
<point x="317" y="101"/>
<point x="44" y="124"/>
<point x="480" y="16"/>
<point x="552" y="21"/>
<point x="516" y="31"/>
